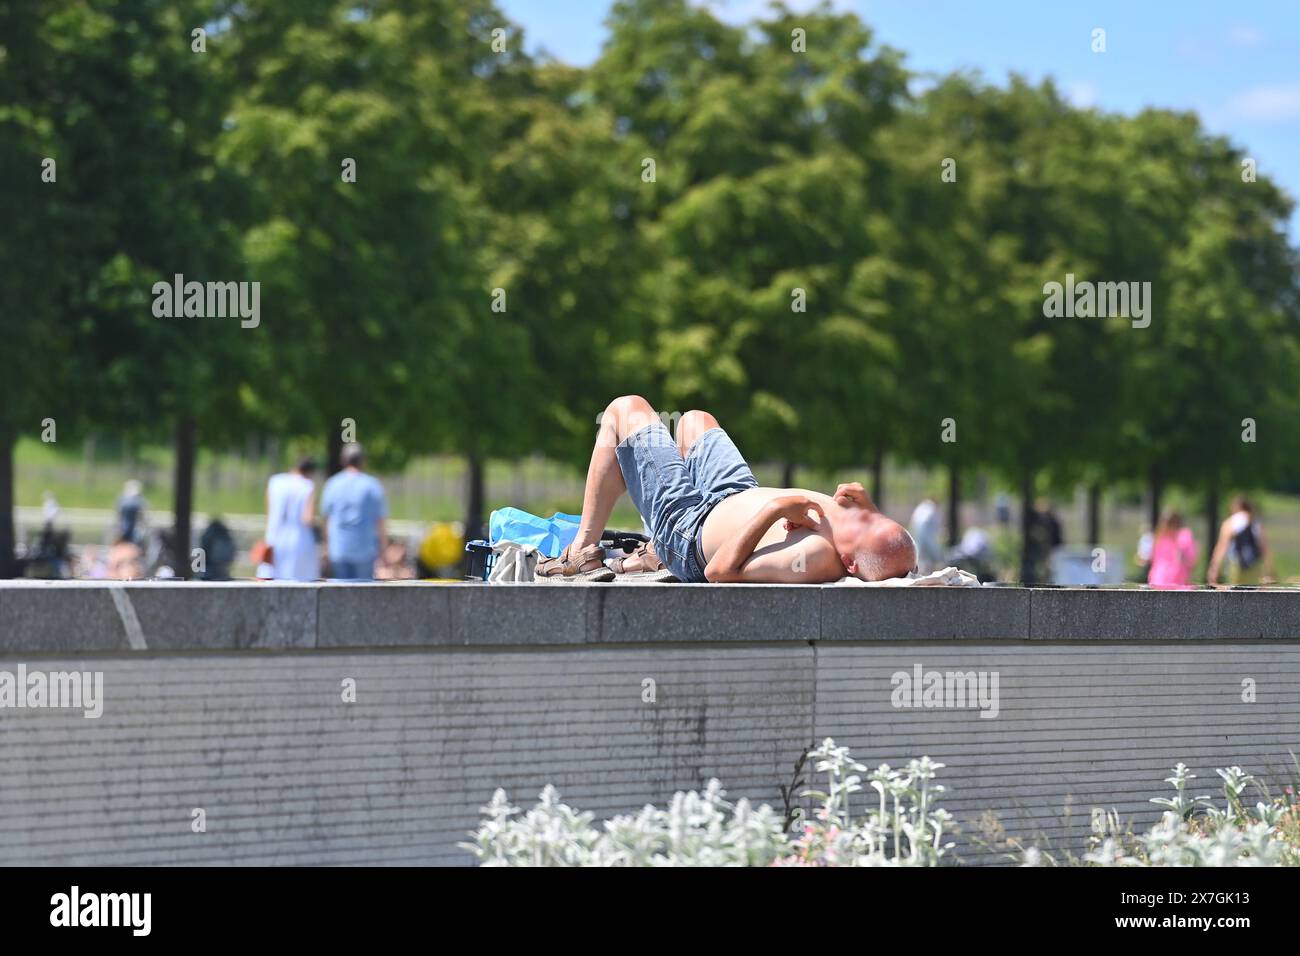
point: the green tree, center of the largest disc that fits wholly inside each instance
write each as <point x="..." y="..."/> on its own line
<point x="762" y="210"/>
<point x="568" y="245"/>
<point x="119" y="98"/>
<point x="39" y="243"/>
<point x="367" y="131"/>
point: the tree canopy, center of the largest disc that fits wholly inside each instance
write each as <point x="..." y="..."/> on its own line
<point x="463" y="248"/>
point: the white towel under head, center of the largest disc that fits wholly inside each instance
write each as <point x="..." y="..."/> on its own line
<point x="947" y="577"/>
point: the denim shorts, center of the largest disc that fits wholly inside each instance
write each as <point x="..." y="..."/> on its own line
<point x="675" y="495"/>
<point x="344" y="569"/>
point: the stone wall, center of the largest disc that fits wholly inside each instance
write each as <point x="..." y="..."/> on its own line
<point x="230" y="698"/>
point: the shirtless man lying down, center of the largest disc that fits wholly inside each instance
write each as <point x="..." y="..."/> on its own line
<point x="709" y="519"/>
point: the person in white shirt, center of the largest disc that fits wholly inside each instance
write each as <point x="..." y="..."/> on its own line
<point x="924" y="527"/>
<point x="290" y="511"/>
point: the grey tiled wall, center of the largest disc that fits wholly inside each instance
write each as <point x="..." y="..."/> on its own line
<point x="234" y="705"/>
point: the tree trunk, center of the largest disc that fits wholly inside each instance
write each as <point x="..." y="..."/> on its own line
<point x="8" y="563"/>
<point x="878" y="478"/>
<point x="1094" y="515"/>
<point x="1027" y="573"/>
<point x="787" y="475"/>
<point x="474" y="498"/>
<point x="333" y="449"/>
<point x="954" y="506"/>
<point x="183" y="495"/>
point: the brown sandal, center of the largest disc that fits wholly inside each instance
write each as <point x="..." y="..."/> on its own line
<point x="567" y="567"/>
<point x="642" y="564"/>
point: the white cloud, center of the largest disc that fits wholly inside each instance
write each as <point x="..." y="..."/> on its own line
<point x="1267" y="104"/>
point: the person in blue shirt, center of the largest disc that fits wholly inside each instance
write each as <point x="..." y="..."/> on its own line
<point x="354" y="509"/>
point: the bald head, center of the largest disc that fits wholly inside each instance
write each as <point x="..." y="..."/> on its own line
<point x="884" y="550"/>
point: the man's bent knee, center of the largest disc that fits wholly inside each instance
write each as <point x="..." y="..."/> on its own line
<point x="628" y="414"/>
<point x="691" y="426"/>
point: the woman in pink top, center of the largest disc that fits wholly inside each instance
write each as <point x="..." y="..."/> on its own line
<point x="1173" y="555"/>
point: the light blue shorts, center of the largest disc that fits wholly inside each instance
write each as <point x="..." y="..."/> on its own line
<point x="675" y="495"/>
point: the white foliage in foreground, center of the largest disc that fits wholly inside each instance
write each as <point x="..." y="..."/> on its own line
<point x="904" y="828"/>
<point x="900" y="824"/>
<point x="1193" y="831"/>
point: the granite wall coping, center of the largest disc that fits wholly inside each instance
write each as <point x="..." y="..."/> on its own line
<point x="96" y="616"/>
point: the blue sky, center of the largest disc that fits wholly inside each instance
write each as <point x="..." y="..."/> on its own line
<point x="1236" y="64"/>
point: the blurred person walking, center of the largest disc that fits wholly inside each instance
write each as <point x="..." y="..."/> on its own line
<point x="1043" y="535"/>
<point x="924" y="529"/>
<point x="130" y="512"/>
<point x="50" y="556"/>
<point x="1243" y="545"/>
<point x="355" y="509"/>
<point x="1173" y="553"/>
<point x="1002" y="508"/>
<point x="49" y="511"/>
<point x="218" y="547"/>
<point x="290" y="513"/>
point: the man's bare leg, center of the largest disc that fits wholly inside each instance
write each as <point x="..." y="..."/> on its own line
<point x="691" y="426"/>
<point x="605" y="483"/>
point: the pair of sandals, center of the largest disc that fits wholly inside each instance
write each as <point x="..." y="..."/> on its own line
<point x="588" y="564"/>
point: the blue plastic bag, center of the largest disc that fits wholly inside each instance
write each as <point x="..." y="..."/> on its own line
<point x="549" y="536"/>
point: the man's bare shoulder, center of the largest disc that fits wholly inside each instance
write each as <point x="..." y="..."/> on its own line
<point x="824" y="562"/>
